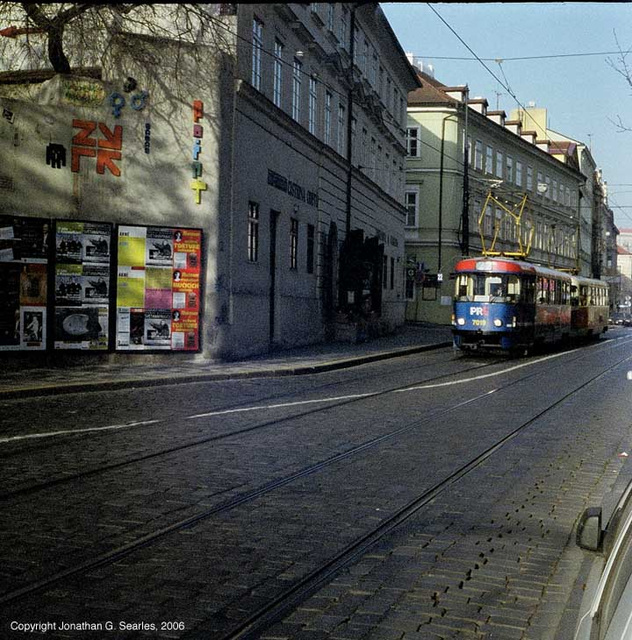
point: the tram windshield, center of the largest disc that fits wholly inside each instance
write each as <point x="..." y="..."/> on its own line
<point x="485" y="287"/>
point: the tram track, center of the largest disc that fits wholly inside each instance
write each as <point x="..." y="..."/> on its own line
<point x="311" y="582"/>
<point x="48" y="484"/>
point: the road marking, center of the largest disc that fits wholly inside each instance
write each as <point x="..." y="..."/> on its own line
<point x="32" y="436"/>
<point x="283" y="405"/>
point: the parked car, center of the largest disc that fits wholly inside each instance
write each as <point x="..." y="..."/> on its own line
<point x="620" y="318"/>
<point x="606" y="608"/>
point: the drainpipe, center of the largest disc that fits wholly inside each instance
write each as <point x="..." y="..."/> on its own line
<point x="465" y="216"/>
<point x="350" y="118"/>
<point x="440" y="238"/>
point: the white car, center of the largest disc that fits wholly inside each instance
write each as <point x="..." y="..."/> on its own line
<point x="606" y="608"/>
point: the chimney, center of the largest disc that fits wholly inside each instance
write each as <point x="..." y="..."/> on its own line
<point x="456" y="93"/>
<point x="498" y="117"/>
<point x="529" y="136"/>
<point x="543" y="144"/>
<point x="479" y="105"/>
<point x="515" y="126"/>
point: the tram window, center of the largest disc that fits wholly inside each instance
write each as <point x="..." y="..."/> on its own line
<point x="528" y="290"/>
<point x="574" y="294"/>
<point x="583" y="295"/>
<point x="543" y="290"/>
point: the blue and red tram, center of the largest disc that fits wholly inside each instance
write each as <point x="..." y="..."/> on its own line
<point x="508" y="305"/>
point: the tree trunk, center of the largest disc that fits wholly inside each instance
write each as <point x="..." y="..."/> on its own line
<point x="56" y="53"/>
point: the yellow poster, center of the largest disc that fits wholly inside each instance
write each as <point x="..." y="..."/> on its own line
<point x="131" y="288"/>
<point x="131" y="251"/>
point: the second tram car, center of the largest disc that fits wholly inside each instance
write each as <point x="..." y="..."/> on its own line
<point x="508" y="305"/>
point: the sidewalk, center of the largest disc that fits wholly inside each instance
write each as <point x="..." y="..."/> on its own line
<point x="91" y="376"/>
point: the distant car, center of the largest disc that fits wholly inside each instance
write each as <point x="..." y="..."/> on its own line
<point x="606" y="608"/>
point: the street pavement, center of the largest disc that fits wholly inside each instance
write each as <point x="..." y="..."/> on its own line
<point x="436" y="577"/>
<point x="20" y="378"/>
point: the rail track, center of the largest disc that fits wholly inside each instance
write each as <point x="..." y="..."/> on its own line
<point x="276" y="608"/>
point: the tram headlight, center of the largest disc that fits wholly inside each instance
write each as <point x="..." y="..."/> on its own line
<point x="498" y="322"/>
<point x="460" y="321"/>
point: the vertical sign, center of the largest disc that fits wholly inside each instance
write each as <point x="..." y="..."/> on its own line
<point x="158" y="288"/>
<point x="82" y="284"/>
<point x="23" y="283"/>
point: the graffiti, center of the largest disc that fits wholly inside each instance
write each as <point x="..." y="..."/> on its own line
<point x="137" y="102"/>
<point x="56" y="155"/>
<point x="106" y="149"/>
<point x="83" y="92"/>
<point x="117" y="102"/>
<point x="198" y="132"/>
<point x="148" y="137"/>
<point x="198" y="186"/>
<point x="8" y="115"/>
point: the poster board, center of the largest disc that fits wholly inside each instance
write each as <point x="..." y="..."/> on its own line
<point x="82" y="285"/>
<point x="24" y="252"/>
<point x="158" y="288"/>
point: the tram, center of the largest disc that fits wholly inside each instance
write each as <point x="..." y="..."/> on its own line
<point x="507" y="305"/>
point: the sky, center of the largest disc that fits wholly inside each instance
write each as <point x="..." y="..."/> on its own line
<point x="583" y="94"/>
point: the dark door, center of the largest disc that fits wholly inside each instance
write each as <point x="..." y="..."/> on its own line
<point x="274" y="216"/>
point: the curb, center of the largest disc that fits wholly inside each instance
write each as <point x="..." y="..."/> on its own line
<point x="54" y="389"/>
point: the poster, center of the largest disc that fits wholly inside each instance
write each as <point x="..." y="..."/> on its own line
<point x="82" y="284"/>
<point x="158" y="288"/>
<point x="23" y="282"/>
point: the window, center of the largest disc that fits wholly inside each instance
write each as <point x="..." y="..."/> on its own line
<point x="253" y="232"/>
<point x="365" y="59"/>
<point x="384" y="271"/>
<point x="311" y="121"/>
<point x="373" y="77"/>
<point x="519" y="173"/>
<point x="510" y="169"/>
<point x="392" y="273"/>
<point x="470" y="150"/>
<point x="529" y="178"/>
<point x="293" y="243"/>
<point x="296" y="89"/>
<point x="489" y="160"/>
<point x="373" y="158"/>
<point x="343" y="27"/>
<point x="365" y="149"/>
<point x="310" y="248"/>
<point x="278" y="73"/>
<point x="568" y="197"/>
<point x="330" y="16"/>
<point x="487" y="221"/>
<point x="547" y="193"/>
<point x="410" y="200"/>
<point x="412" y="142"/>
<point x="327" y="134"/>
<point x="257" y="46"/>
<point x="478" y="155"/>
<point x="499" y="164"/>
<point x="540" y="180"/>
<point x="341" y="130"/>
<point x="554" y="193"/>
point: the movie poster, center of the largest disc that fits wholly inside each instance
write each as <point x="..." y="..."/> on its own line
<point x="158" y="288"/>
<point x="23" y="282"/>
<point x="82" y="284"/>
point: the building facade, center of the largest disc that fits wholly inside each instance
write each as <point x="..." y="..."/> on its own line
<point x="508" y="195"/>
<point x="278" y="154"/>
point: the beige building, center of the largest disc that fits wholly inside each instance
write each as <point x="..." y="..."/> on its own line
<point x="284" y="147"/>
<point x="512" y="196"/>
